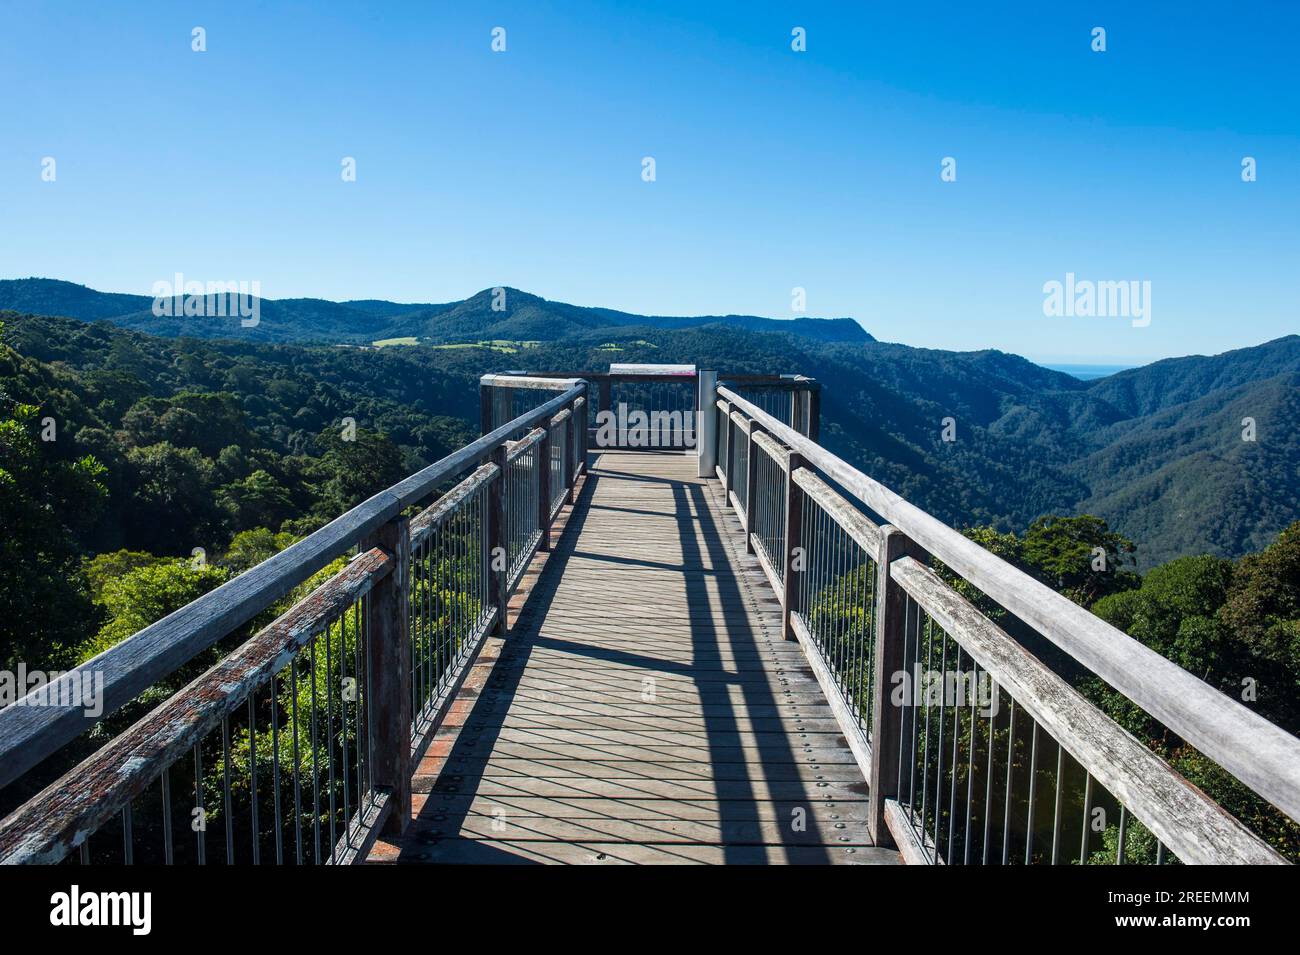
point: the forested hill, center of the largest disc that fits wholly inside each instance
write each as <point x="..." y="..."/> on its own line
<point x="513" y="315"/>
<point x="245" y="430"/>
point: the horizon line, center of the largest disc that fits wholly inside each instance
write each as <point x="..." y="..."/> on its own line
<point x="1120" y="362"/>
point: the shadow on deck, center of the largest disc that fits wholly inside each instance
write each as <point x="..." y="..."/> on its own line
<point x="644" y="707"/>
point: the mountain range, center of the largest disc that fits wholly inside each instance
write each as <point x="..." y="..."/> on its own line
<point x="491" y="314"/>
<point x="1186" y="455"/>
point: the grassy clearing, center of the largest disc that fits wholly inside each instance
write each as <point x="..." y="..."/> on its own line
<point x="503" y="346"/>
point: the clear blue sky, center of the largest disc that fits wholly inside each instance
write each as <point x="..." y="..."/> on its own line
<point x="775" y="169"/>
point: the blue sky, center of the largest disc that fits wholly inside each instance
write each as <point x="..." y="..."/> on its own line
<point x="775" y="169"/>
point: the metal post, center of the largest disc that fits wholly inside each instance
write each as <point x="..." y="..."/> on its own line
<point x="706" y="424"/>
<point x="498" y="572"/>
<point x="887" y="719"/>
<point x="794" y="554"/>
<point x="388" y="655"/>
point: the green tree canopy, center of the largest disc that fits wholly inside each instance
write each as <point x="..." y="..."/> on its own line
<point x="45" y="502"/>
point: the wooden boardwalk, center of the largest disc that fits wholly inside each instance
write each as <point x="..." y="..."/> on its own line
<point x="644" y="707"/>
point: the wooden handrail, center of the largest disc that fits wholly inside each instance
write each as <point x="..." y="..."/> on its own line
<point x="1260" y="754"/>
<point x="1182" y="817"/>
<point x="32" y="729"/>
<point x="52" y="823"/>
<point x="530" y="382"/>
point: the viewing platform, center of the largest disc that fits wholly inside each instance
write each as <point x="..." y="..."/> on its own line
<point x="645" y="618"/>
<point x="646" y="706"/>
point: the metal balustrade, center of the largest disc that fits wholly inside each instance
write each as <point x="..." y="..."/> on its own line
<point x="793" y="400"/>
<point x="451" y="605"/>
<point x="648" y="413"/>
<point x="835" y="590"/>
<point x="522" y="494"/>
<point x="768" y="535"/>
<point x="296" y="747"/>
<point x="267" y="757"/>
<point x="557" y="462"/>
<point x="975" y="751"/>
<point x="647" y="409"/>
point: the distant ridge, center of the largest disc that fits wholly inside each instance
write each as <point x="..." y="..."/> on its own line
<point x="523" y="317"/>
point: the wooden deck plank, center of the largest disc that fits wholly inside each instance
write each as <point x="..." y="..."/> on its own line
<point x="644" y="707"/>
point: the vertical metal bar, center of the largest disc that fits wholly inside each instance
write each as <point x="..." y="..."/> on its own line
<point x="1011" y="759"/>
<point x="729" y="484"/>
<point x="543" y="448"/>
<point x="329" y="735"/>
<point x="252" y="769"/>
<point x="315" y="758"/>
<point x="496" y="540"/>
<point x="929" y="658"/>
<point x="1087" y="805"/>
<point x="838" y="617"/>
<point x="970" y="760"/>
<point x="1056" y="815"/>
<point x="988" y="784"/>
<point x="751" y="486"/>
<point x="943" y="710"/>
<point x="956" y="735"/>
<point x="570" y="463"/>
<point x="343" y="719"/>
<point x="275" y="772"/>
<point x="1033" y="792"/>
<point x="297" y="777"/>
<point x="1123" y="834"/>
<point x="128" y="840"/>
<point x="793" y="534"/>
<point x="168" y="848"/>
<point x="912" y="621"/>
<point x="363" y="631"/>
<point x="226" y="803"/>
<point x="201" y="833"/>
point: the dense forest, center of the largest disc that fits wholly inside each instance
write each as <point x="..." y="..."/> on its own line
<point x="1184" y="456"/>
<point x="138" y="472"/>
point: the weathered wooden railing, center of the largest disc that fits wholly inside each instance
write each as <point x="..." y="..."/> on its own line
<point x="297" y="747"/>
<point x="975" y="751"/>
